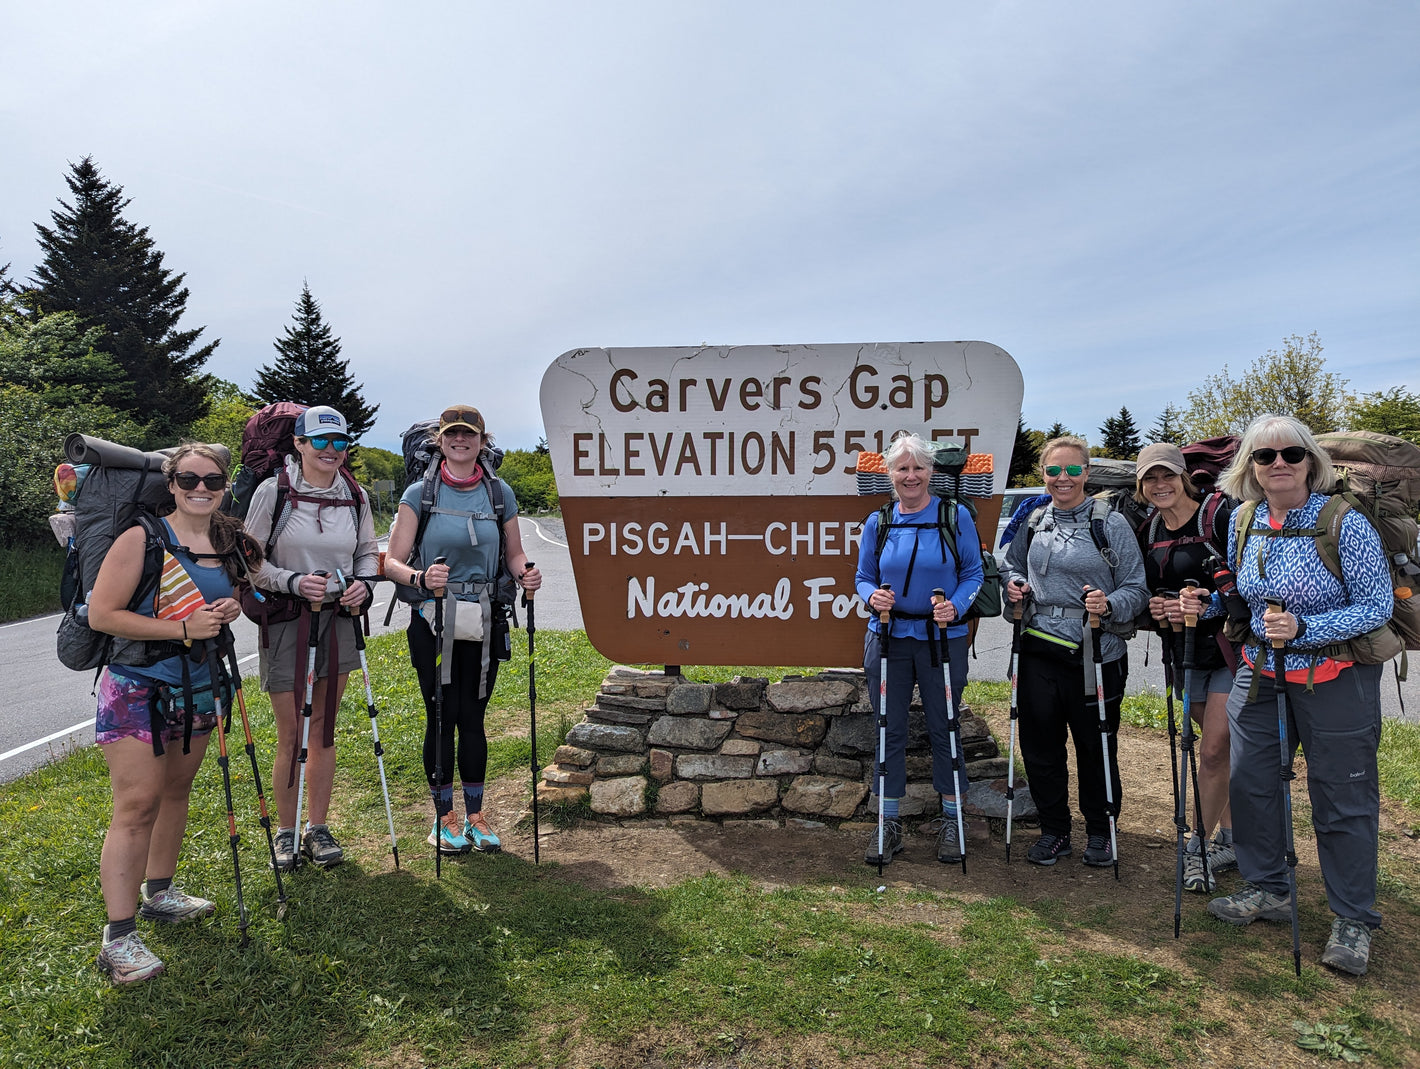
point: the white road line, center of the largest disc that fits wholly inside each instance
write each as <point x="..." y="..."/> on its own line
<point x="32" y="620"/>
<point x="48" y="738"/>
<point x="544" y="537"/>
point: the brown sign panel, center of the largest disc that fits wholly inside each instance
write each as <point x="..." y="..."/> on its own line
<point x="710" y="494"/>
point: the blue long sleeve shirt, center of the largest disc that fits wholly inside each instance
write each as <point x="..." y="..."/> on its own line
<point x="925" y="551"/>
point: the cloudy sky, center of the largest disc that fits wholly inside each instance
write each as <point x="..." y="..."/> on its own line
<point x="1123" y="196"/>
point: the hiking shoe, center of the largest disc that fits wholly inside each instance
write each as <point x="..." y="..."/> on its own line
<point x="1221" y="857"/>
<point x="892" y="843"/>
<point x="171" y="906"/>
<point x="1098" y="852"/>
<point x="320" y="846"/>
<point x="948" y="842"/>
<point x="285" y="849"/>
<point x="1194" y="878"/>
<point x="1349" y="948"/>
<point x="127" y="960"/>
<point x="477" y="832"/>
<point x="1250" y="904"/>
<point x="1049" y="849"/>
<point x="448" y="837"/>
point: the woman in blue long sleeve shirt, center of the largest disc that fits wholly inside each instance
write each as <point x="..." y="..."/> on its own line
<point x="915" y="559"/>
<point x="1333" y="703"/>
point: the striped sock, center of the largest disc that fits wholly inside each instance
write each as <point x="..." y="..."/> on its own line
<point x="472" y="798"/>
<point x="890" y="808"/>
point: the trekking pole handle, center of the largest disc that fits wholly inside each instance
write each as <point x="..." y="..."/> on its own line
<point x="1094" y="616"/>
<point x="1276" y="607"/>
<point x="1190" y="619"/>
<point x="317" y="605"/>
<point x="885" y="618"/>
<point x="528" y="594"/>
<point x="443" y="589"/>
<point x="1018" y="608"/>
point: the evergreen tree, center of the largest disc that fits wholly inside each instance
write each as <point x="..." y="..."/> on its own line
<point x="1025" y="456"/>
<point x="1169" y="426"/>
<point x="1121" y="436"/>
<point x="309" y="371"/>
<point x="1058" y="430"/>
<point x="106" y="270"/>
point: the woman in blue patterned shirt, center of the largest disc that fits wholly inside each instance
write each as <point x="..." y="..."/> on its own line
<point x="1333" y="702"/>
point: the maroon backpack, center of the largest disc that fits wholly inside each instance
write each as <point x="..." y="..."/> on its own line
<point x="1208" y="459"/>
<point x="266" y="441"/>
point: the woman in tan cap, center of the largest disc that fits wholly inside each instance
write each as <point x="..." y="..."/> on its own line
<point x="1185" y="538"/>
<point x="458" y="552"/>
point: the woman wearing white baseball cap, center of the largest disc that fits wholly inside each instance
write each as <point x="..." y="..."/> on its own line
<point x="324" y="526"/>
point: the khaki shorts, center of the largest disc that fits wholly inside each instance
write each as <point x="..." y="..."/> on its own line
<point x="283" y="666"/>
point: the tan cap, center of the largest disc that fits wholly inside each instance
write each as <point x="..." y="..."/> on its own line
<point x="1159" y="455"/>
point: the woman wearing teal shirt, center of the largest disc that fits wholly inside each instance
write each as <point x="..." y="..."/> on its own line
<point x="463" y="529"/>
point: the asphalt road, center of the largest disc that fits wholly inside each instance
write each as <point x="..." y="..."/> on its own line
<point x="47" y="710"/>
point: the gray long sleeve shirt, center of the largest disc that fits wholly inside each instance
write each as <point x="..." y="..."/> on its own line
<point x="1061" y="558"/>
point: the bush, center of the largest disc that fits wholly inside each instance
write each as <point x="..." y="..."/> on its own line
<point x="529" y="473"/>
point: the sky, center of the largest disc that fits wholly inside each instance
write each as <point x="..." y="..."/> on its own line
<point x="1126" y="197"/>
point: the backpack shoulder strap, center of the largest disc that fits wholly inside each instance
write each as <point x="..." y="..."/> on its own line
<point x="1099" y="515"/>
<point x="884" y="523"/>
<point x="948" y="526"/>
<point x="495" y="496"/>
<point x="1328" y="538"/>
<point x="1242" y="526"/>
<point x="428" y="498"/>
<point x="283" y="491"/>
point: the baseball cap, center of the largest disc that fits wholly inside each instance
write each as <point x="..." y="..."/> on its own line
<point x="322" y="419"/>
<point x="461" y="416"/>
<point x="1159" y="455"/>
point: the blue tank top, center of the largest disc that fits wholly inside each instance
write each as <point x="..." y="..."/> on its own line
<point x="214" y="583"/>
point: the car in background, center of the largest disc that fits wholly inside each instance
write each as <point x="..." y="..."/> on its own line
<point x="1010" y="501"/>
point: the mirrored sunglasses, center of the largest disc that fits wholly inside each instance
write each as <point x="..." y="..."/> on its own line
<point x="470" y="416"/>
<point x="338" y="444"/>
<point x="1293" y="454"/>
<point x="188" y="480"/>
<point x="1069" y="469"/>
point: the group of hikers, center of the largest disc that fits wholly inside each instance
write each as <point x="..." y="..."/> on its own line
<point x="1079" y="577"/>
<point x="308" y="550"/>
<point x="1242" y="600"/>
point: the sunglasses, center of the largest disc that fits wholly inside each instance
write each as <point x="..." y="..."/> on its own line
<point x="1069" y="469"/>
<point x="471" y="416"/>
<point x="188" y="480"/>
<point x="1293" y="454"/>
<point x="340" y="445"/>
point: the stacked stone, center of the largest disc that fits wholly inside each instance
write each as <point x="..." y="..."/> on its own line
<point x="800" y="749"/>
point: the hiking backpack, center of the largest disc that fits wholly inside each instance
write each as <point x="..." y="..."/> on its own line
<point x="266" y="442"/>
<point x="1100" y="507"/>
<point x="948" y="481"/>
<point x="1207" y="459"/>
<point x="422" y="458"/>
<point x="122" y="487"/>
<point x="1378" y="475"/>
<point x="1113" y="482"/>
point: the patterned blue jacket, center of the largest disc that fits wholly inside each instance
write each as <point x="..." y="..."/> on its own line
<point x="1333" y="611"/>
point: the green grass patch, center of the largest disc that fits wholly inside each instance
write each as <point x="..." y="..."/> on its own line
<point x="1400" y="764"/>
<point x="29" y="580"/>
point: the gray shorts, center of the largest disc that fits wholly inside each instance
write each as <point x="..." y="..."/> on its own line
<point x="283" y="665"/>
<point x="1205" y="681"/>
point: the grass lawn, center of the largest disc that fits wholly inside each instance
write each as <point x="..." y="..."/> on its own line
<point x="503" y="963"/>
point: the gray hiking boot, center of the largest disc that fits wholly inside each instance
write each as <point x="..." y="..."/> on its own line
<point x="1221" y="857"/>
<point x="1250" y="904"/>
<point x="949" y="842"/>
<point x="320" y="846"/>
<point x="1194" y="878"/>
<point x="1349" y="948"/>
<point x="892" y="843"/>
<point x="286" y="849"/>
<point x="1048" y="849"/>
<point x="172" y="906"/>
<point x="127" y="960"/>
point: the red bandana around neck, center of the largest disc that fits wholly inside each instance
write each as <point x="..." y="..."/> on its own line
<point x="460" y="484"/>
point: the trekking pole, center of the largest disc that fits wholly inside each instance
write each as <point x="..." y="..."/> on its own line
<point x="1168" y="640"/>
<point x="438" y="723"/>
<point x="1016" y="611"/>
<point x="1095" y="636"/>
<point x="1275" y="607"/>
<point x="1190" y="759"/>
<point x="374" y="727"/>
<point x="311" y="645"/>
<point x="953" y="729"/>
<point x="532" y="703"/>
<point x="885" y="622"/>
<point x="231" y="647"/>
<point x="224" y="762"/>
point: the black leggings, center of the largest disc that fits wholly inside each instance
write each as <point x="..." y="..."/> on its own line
<point x="463" y="708"/>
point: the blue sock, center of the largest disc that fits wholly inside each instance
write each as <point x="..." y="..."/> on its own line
<point x="949" y="807"/>
<point x="443" y="798"/>
<point x="890" y="808"/>
<point x="472" y="798"/>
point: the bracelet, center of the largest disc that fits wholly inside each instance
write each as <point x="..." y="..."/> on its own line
<point x="184" y="629"/>
<point x="416" y="580"/>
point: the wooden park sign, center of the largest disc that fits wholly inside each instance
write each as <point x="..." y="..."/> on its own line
<point x="709" y="494"/>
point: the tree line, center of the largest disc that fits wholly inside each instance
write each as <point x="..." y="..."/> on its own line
<point x="95" y="342"/>
<point x="1291" y="381"/>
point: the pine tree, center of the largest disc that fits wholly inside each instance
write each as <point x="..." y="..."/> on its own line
<point x="1169" y="426"/>
<point x="106" y="270"/>
<point x="1121" y="436"/>
<point x="1025" y="456"/>
<point x="309" y="371"/>
<point x="1058" y="430"/>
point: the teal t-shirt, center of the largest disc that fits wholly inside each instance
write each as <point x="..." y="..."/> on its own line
<point x="471" y="559"/>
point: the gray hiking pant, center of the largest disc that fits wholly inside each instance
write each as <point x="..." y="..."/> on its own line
<point x="1339" y="728"/>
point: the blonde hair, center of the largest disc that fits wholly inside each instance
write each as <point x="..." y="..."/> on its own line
<point x="1240" y="482"/>
<point x="1066" y="441"/>
<point x="1188" y="487"/>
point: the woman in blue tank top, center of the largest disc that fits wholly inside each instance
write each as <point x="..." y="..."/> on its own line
<point x="140" y="725"/>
